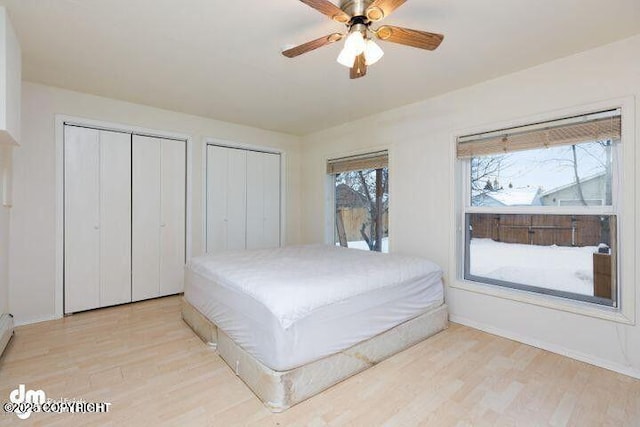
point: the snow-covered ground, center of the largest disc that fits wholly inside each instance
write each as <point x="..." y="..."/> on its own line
<point x="552" y="267"/>
<point x="361" y="244"/>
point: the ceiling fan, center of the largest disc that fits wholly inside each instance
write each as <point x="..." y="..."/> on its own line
<point x="359" y="49"/>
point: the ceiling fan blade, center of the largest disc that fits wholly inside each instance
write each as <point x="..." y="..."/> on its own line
<point x="382" y="8"/>
<point x="359" y="68"/>
<point x="405" y="36"/>
<point x="312" y="45"/>
<point x="329" y="9"/>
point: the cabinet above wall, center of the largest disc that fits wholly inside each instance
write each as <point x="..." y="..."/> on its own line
<point x="10" y="82"/>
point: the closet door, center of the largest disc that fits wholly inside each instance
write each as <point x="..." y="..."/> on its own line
<point x="263" y="200"/>
<point x="97" y="255"/>
<point x="236" y="218"/>
<point x="172" y="217"/>
<point x="81" y="219"/>
<point x="146" y="218"/>
<point x="115" y="218"/>
<point x="159" y="202"/>
<point x="217" y="177"/>
<point x="226" y="198"/>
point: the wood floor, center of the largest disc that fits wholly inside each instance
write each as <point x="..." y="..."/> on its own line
<point x="154" y="370"/>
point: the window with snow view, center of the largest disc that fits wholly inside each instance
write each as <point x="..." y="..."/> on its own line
<point x="361" y="201"/>
<point x="540" y="208"/>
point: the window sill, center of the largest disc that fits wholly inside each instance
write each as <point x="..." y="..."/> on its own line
<point x="547" y="301"/>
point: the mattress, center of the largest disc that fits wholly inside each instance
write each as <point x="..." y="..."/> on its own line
<point x="291" y="306"/>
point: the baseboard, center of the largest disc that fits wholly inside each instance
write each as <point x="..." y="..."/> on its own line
<point x="6" y="330"/>
<point x="36" y="320"/>
<point x="582" y="357"/>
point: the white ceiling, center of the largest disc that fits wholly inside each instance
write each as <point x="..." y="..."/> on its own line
<point x="221" y="59"/>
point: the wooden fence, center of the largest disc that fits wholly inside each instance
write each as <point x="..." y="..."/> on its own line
<point x="544" y="230"/>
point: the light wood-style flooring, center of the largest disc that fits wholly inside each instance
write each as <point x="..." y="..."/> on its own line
<point x="155" y="371"/>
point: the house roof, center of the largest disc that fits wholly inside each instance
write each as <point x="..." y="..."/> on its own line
<point x="572" y="184"/>
<point x="514" y="196"/>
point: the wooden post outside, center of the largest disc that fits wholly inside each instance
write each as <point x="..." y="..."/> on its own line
<point x="602" y="283"/>
<point x="342" y="235"/>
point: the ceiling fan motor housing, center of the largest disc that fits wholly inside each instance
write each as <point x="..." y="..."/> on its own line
<point x="355" y="8"/>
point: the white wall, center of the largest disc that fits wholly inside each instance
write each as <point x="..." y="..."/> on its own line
<point x="10" y="76"/>
<point x="420" y="137"/>
<point x="33" y="225"/>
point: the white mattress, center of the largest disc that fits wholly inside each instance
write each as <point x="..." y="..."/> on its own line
<point x="290" y="306"/>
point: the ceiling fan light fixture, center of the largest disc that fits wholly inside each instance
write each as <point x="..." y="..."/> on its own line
<point x="372" y="52"/>
<point x="347" y="58"/>
<point x="355" y="43"/>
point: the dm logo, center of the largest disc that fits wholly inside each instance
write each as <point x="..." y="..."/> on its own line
<point x="27" y="399"/>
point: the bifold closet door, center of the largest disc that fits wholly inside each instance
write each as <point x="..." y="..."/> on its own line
<point x="226" y="198"/>
<point x="97" y="213"/>
<point x="159" y="200"/>
<point x="172" y="216"/>
<point x="263" y="200"/>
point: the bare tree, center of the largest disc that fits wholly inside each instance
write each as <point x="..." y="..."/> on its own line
<point x="372" y="186"/>
<point x="577" y="176"/>
<point x="484" y="170"/>
<point x="600" y="152"/>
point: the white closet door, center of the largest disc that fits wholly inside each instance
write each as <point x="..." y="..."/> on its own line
<point x="263" y="200"/>
<point x="146" y="218"/>
<point x="272" y="200"/>
<point x="115" y="215"/>
<point x="226" y="198"/>
<point x="217" y="175"/>
<point x="97" y="218"/>
<point x="81" y="219"/>
<point x="237" y="200"/>
<point x="172" y="226"/>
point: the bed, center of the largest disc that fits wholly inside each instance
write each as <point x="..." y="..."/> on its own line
<point x="293" y="321"/>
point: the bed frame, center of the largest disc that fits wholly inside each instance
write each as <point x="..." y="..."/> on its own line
<point x="279" y="390"/>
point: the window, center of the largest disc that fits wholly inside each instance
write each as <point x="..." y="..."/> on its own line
<point x="361" y="201"/>
<point x="541" y="207"/>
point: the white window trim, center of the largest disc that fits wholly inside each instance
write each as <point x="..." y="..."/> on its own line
<point x="624" y="208"/>
<point x="330" y="190"/>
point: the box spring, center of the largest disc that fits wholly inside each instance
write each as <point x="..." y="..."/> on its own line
<point x="280" y="390"/>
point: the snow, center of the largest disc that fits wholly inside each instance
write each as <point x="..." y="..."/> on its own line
<point x="515" y="196"/>
<point x="361" y="244"/>
<point x="568" y="269"/>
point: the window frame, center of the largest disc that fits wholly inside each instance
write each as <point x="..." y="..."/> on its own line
<point x="330" y="189"/>
<point x="603" y="302"/>
<point x="623" y="207"/>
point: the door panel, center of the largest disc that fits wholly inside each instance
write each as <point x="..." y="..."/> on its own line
<point x="272" y="194"/>
<point x="172" y="227"/>
<point x="81" y="219"/>
<point x="146" y="218"/>
<point x="115" y="227"/>
<point x="217" y="177"/>
<point x="263" y="200"/>
<point x="243" y="199"/>
<point x="255" y="200"/>
<point x="236" y="218"/>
